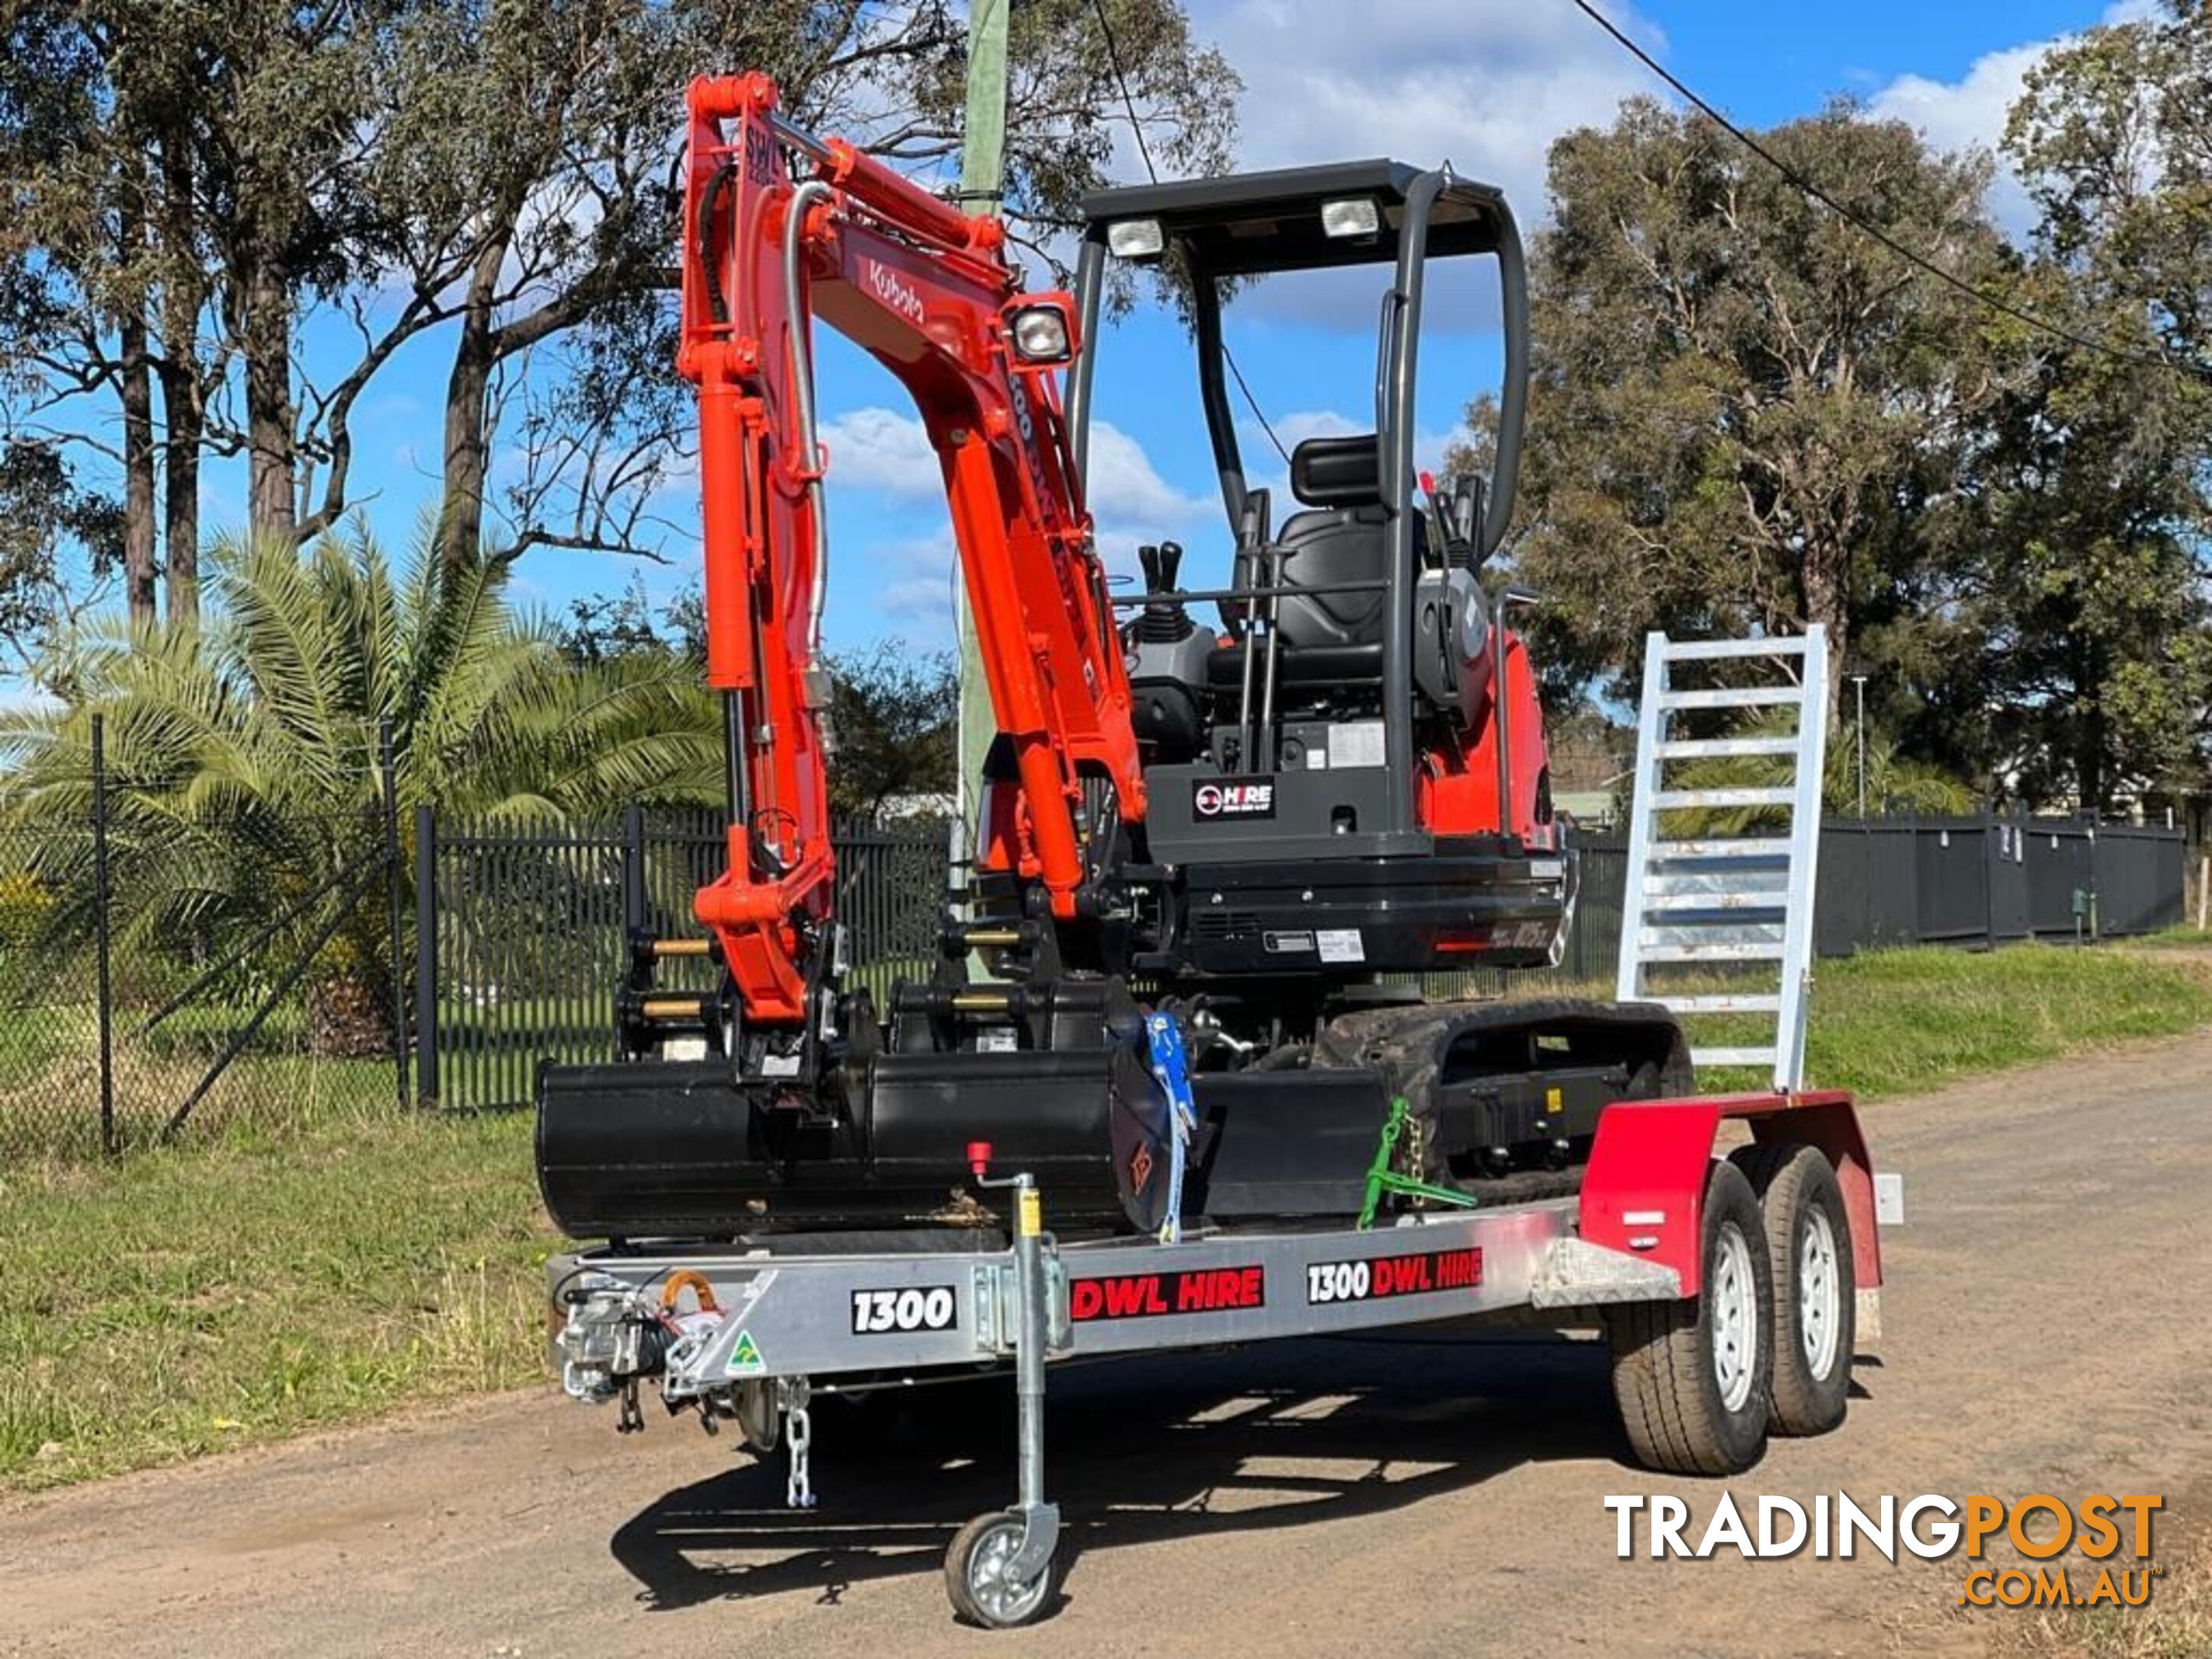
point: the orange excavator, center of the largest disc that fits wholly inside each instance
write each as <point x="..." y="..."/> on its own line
<point x="1224" y="836"/>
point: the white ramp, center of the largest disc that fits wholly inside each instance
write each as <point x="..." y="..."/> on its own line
<point x="1741" y="902"/>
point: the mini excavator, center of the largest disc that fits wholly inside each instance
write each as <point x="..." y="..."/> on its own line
<point x="1224" y="836"/>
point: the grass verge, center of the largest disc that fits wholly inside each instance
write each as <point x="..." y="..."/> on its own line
<point x="265" y="1281"/>
<point x="1900" y="1022"/>
<point x="217" y="1295"/>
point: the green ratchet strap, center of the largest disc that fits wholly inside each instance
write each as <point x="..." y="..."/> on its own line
<point x="1382" y="1178"/>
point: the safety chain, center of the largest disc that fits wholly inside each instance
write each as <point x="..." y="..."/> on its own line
<point x="798" y="1438"/>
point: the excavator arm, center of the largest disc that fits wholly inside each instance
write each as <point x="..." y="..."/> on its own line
<point x="782" y="228"/>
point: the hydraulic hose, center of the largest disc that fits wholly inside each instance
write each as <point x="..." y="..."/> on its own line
<point x="802" y="376"/>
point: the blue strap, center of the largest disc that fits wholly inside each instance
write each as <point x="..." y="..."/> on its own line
<point x="1170" y="1066"/>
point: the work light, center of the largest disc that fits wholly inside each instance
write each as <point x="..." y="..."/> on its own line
<point x="1356" y="216"/>
<point x="1136" y="239"/>
<point x="1039" y="333"/>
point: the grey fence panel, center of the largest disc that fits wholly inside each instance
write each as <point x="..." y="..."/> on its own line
<point x="1593" y="943"/>
<point x="2007" y="879"/>
<point x="1952" y="880"/>
<point x="2138" y="879"/>
<point x="2058" y="869"/>
<point x="1869" y="888"/>
<point x="1840" y="907"/>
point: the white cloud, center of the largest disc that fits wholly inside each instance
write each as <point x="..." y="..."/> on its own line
<point x="1126" y="488"/>
<point x="1486" y="88"/>
<point x="911" y="583"/>
<point x="881" y="449"/>
<point x="1970" y="113"/>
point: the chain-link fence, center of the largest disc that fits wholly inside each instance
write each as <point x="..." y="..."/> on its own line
<point x="165" y="970"/>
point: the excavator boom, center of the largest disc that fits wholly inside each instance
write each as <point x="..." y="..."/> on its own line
<point x="782" y="230"/>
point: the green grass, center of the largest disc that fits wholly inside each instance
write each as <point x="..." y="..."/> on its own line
<point x="1901" y="1021"/>
<point x="214" y="1295"/>
<point x="2182" y="936"/>
<point x="338" y="1261"/>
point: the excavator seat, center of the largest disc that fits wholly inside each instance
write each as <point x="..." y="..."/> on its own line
<point x="1342" y="537"/>
<point x="1326" y="641"/>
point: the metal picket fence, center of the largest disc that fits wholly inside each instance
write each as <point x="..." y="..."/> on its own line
<point x="522" y="932"/>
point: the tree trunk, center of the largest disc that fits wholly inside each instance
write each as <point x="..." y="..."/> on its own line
<point x="183" y="389"/>
<point x="1828" y="601"/>
<point x="266" y="313"/>
<point x="468" y="390"/>
<point x="2089" y="726"/>
<point x="184" y="416"/>
<point x="348" y="1018"/>
<point x="138" y="394"/>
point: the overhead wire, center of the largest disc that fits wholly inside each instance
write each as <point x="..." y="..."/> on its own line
<point x="1137" y="129"/>
<point x="1811" y="188"/>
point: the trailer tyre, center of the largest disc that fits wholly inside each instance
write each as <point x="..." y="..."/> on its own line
<point x="1808" y="1244"/>
<point x="976" y="1579"/>
<point x="1693" y="1376"/>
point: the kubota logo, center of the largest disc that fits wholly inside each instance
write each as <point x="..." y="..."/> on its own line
<point x="894" y="290"/>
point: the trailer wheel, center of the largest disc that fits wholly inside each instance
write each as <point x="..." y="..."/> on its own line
<point x="975" y="1573"/>
<point x="1693" y="1376"/>
<point x="1808" y="1244"/>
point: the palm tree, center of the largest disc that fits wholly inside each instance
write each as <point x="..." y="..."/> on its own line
<point x="243" y="763"/>
<point x="1895" y="782"/>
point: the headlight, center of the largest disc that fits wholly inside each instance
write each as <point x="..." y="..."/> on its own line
<point x="1039" y="334"/>
<point x="1358" y="216"/>
<point x="1136" y="239"/>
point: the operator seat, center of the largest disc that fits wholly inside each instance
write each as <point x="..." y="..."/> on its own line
<point x="1326" y="642"/>
<point x="1343" y="537"/>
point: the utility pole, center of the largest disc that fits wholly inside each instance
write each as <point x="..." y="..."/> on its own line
<point x="982" y="187"/>
<point x="1859" y="682"/>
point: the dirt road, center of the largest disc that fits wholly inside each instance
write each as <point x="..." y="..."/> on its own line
<point x="2049" y="1329"/>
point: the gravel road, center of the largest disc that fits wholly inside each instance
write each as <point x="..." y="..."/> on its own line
<point x="2049" y="1329"/>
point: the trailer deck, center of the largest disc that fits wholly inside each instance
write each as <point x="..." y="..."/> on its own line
<point x="750" y="1330"/>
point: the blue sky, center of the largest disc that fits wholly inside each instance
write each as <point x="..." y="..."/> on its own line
<point x="1484" y="84"/>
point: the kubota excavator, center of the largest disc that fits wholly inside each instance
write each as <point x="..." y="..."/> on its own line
<point x="1215" y="853"/>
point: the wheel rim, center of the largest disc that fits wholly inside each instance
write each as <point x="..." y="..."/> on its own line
<point x="1820" y="1293"/>
<point x="1002" y="1598"/>
<point x="1734" y="1318"/>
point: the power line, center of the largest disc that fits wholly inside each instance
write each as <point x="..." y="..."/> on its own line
<point x="1811" y="188"/>
<point x="1137" y="127"/>
<point x="1230" y="357"/>
<point x="1114" y="57"/>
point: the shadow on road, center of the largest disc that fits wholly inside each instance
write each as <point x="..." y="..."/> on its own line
<point x="1287" y="1435"/>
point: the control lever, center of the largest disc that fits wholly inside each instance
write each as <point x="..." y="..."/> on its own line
<point x="1455" y="512"/>
<point x="1148" y="558"/>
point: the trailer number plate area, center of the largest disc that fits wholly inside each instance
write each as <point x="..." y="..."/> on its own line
<point x="1375" y="1277"/>
<point x="1148" y="1296"/>
<point x="881" y="1313"/>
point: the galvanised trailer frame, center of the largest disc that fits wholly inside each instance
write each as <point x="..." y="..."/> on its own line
<point x="773" y="1320"/>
